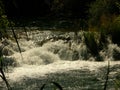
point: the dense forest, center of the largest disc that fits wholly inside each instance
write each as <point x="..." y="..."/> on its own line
<point x="93" y="15"/>
<point x="77" y="9"/>
<point x="44" y="8"/>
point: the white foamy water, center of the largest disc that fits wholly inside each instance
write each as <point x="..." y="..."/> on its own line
<point x="34" y="71"/>
<point x="65" y="62"/>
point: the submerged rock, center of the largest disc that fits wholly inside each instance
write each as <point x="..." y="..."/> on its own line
<point x="75" y="55"/>
<point x="116" y="54"/>
<point x="68" y="54"/>
<point x="6" y="51"/>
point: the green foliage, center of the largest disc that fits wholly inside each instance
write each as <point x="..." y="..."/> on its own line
<point x="95" y="43"/>
<point x="3" y="17"/>
<point x="2" y="75"/>
<point x="1" y="8"/>
<point x="3" y="21"/>
<point x="117" y="84"/>
<point x="114" y="30"/>
<point x="104" y="16"/>
<point x="100" y="8"/>
<point x="91" y="43"/>
<point x="3" y="25"/>
<point x="57" y="6"/>
<point x="117" y="81"/>
<point x="118" y="5"/>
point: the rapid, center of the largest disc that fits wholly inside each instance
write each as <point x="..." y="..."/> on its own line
<point x="54" y="56"/>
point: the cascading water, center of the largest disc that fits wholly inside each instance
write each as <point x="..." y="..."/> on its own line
<point x="59" y="57"/>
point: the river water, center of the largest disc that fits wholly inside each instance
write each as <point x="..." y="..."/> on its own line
<point x="58" y="57"/>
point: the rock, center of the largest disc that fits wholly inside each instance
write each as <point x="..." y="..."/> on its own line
<point x="116" y="54"/>
<point x="7" y="51"/>
<point x="75" y="55"/>
<point x="66" y="54"/>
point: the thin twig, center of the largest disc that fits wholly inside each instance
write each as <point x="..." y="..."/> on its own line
<point x="107" y="76"/>
<point x="3" y="75"/>
<point x="16" y="40"/>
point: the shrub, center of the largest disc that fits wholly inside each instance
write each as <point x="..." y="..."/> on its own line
<point x="101" y="11"/>
<point x="114" y="30"/>
<point x="3" y="21"/>
<point x="93" y="44"/>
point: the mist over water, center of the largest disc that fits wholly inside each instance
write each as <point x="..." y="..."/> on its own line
<point x="60" y="57"/>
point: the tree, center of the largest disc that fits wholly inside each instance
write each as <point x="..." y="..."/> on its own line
<point x="3" y="21"/>
<point x="102" y="12"/>
<point x="104" y="17"/>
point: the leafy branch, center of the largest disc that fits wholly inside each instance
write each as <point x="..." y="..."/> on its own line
<point x="1" y="70"/>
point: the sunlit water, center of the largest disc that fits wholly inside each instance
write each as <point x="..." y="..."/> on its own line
<point x="57" y="56"/>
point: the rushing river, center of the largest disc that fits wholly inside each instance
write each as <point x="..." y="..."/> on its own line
<point x="58" y="57"/>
